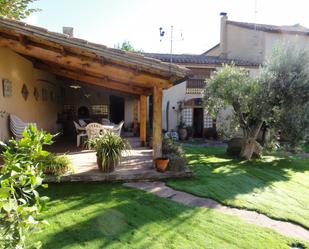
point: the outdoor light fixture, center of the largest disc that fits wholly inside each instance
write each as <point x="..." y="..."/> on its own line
<point x="75" y="86"/>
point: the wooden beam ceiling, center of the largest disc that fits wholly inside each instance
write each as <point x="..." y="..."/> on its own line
<point x="102" y="82"/>
<point x="23" y="45"/>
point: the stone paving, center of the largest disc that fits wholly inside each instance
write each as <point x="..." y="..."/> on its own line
<point x="282" y="227"/>
<point x="136" y="164"/>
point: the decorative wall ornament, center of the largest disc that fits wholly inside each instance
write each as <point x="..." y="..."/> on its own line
<point x="44" y="94"/>
<point x="7" y="88"/>
<point x="25" y="92"/>
<point x="36" y="94"/>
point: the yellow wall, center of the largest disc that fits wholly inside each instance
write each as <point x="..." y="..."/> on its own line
<point x="20" y="71"/>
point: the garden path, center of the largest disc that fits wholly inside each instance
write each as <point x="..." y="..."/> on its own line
<point x="282" y="227"/>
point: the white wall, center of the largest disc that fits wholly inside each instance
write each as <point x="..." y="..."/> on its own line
<point x="173" y="95"/>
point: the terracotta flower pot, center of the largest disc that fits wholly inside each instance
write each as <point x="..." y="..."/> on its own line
<point x="161" y="164"/>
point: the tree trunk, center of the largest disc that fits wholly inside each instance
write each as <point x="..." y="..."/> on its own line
<point x="250" y="146"/>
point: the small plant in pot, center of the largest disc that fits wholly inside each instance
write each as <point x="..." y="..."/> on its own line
<point x="182" y="131"/>
<point x="109" y="147"/>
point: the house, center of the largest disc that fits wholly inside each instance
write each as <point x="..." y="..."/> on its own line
<point x="243" y="44"/>
<point x="52" y="79"/>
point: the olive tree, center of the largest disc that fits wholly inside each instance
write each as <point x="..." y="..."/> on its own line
<point x="16" y="9"/>
<point x="278" y="97"/>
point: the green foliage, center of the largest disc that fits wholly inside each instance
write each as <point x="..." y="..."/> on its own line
<point x="57" y="165"/>
<point x="126" y="46"/>
<point x="20" y="178"/>
<point x="277" y="98"/>
<point x="285" y="76"/>
<point x="109" y="147"/>
<point x="16" y="9"/>
<point x="230" y="86"/>
<point x="174" y="153"/>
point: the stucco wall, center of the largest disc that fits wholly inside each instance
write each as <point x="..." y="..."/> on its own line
<point x="245" y="44"/>
<point x="20" y="71"/>
<point x="173" y="95"/>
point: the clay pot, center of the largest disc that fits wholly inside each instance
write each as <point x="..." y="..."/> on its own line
<point x="183" y="133"/>
<point x="109" y="169"/>
<point x="161" y="164"/>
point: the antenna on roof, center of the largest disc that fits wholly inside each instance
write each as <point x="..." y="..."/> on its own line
<point x="255" y="13"/>
<point x="171" y="39"/>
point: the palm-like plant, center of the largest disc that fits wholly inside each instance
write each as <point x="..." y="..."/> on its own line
<point x="109" y="148"/>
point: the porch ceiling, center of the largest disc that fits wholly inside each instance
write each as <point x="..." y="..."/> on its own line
<point x="88" y="62"/>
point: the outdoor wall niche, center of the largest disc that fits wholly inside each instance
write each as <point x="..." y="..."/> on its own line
<point x="36" y="94"/>
<point x="7" y="88"/>
<point x="25" y="92"/>
<point x="44" y="94"/>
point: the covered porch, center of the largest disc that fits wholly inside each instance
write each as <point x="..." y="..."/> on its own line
<point x="75" y="61"/>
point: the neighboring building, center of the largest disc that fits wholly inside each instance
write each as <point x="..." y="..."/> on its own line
<point x="244" y="44"/>
<point x="255" y="42"/>
<point x="190" y="92"/>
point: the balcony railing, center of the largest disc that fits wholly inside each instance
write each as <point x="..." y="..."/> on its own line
<point x="195" y="86"/>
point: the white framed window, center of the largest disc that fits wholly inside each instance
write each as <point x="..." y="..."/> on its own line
<point x="187" y="114"/>
<point x="208" y="122"/>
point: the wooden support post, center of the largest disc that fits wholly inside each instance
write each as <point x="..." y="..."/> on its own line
<point x="135" y="116"/>
<point x="143" y="115"/>
<point x="157" y="122"/>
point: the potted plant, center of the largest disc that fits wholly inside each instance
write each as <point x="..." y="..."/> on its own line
<point x="161" y="163"/>
<point x="182" y="131"/>
<point x="190" y="132"/>
<point x="174" y="153"/>
<point x="109" y="147"/>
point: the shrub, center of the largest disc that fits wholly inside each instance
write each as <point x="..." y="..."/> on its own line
<point x="57" y="165"/>
<point x="21" y="176"/>
<point x="174" y="153"/>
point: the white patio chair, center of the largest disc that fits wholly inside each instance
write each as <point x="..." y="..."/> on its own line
<point x="17" y="126"/>
<point x="80" y="131"/>
<point x="82" y="123"/>
<point x="93" y="129"/>
<point x="117" y="128"/>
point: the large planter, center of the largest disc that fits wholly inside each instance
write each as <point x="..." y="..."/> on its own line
<point x="110" y="168"/>
<point x="183" y="133"/>
<point x="161" y="164"/>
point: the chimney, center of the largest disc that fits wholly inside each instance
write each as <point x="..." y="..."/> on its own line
<point x="223" y="35"/>
<point x="68" y="31"/>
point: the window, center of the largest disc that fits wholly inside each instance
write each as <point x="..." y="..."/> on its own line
<point x="68" y="108"/>
<point x="100" y="110"/>
<point x="207" y="120"/>
<point x="187" y="116"/>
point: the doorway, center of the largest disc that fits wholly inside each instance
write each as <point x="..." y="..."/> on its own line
<point x="198" y="122"/>
<point x="116" y="109"/>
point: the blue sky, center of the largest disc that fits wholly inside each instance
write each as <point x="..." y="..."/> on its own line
<point x="111" y="22"/>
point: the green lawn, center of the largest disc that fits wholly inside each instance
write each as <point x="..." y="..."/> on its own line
<point x="93" y="215"/>
<point x="275" y="186"/>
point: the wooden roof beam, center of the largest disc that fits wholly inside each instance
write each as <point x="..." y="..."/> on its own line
<point x="101" y="82"/>
<point x="83" y="63"/>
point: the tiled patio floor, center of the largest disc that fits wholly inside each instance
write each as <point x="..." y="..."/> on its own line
<point x="135" y="165"/>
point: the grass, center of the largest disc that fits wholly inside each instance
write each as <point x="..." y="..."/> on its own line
<point x="93" y="215"/>
<point x="273" y="185"/>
